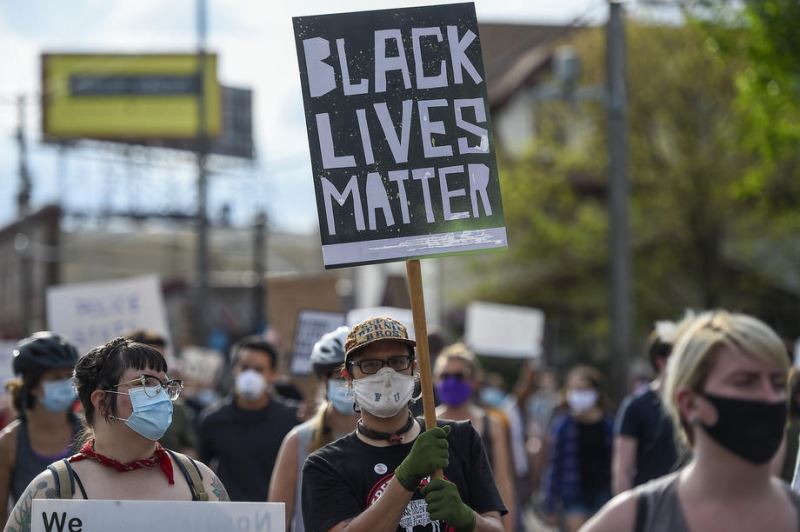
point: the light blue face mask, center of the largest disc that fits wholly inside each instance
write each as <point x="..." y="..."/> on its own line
<point x="58" y="395"/>
<point x="341" y="397"/>
<point x="152" y="412"/>
<point x="491" y="396"/>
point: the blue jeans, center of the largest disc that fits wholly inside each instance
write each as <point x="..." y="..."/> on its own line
<point x="589" y="504"/>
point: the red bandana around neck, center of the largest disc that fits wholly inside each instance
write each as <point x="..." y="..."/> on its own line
<point x="160" y="457"/>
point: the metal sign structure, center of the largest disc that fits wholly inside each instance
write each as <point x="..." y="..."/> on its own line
<point x="128" y="96"/>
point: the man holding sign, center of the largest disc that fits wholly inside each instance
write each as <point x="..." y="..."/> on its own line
<point x="380" y="476"/>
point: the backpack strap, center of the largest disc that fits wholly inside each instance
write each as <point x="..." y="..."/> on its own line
<point x="641" y="512"/>
<point x="192" y="474"/>
<point x="65" y="485"/>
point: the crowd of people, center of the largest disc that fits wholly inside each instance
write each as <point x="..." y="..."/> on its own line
<point x="709" y="443"/>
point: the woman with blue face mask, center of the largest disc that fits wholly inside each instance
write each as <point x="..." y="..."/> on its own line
<point x="335" y="417"/>
<point x="43" y="397"/>
<point x="127" y="397"/>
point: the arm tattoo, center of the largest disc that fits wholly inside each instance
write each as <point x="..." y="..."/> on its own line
<point x="219" y="490"/>
<point x="20" y="520"/>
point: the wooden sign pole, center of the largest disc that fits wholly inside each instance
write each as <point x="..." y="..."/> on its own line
<point x="414" y="273"/>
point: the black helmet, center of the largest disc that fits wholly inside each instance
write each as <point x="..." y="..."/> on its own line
<point x="328" y="352"/>
<point x="42" y="351"/>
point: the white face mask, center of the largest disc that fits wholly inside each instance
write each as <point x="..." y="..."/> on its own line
<point x="581" y="400"/>
<point x="250" y="384"/>
<point x="384" y="394"/>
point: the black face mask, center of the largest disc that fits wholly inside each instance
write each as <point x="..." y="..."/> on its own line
<point x="752" y="430"/>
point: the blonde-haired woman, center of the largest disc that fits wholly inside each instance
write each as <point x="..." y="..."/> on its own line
<point x="725" y="389"/>
<point x="457" y="374"/>
<point x="334" y="418"/>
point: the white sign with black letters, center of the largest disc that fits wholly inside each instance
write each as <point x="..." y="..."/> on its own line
<point x="6" y="355"/>
<point x="504" y="330"/>
<point x="311" y="325"/>
<point x="75" y="515"/>
<point x="90" y="314"/>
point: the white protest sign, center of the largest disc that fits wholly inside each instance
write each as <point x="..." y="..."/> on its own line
<point x="90" y="314"/>
<point x="311" y="325"/>
<point x="200" y="364"/>
<point x="6" y="354"/>
<point x="797" y="353"/>
<point x="75" y="515"/>
<point x="403" y="315"/>
<point x="504" y="330"/>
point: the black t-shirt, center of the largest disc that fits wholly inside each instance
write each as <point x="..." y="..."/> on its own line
<point x="643" y="418"/>
<point x="242" y="445"/>
<point x="594" y="456"/>
<point x="344" y="478"/>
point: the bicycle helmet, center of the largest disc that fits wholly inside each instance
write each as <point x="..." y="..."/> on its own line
<point x="328" y="352"/>
<point x="43" y="351"/>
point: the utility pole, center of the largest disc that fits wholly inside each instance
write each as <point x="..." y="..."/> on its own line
<point x="619" y="233"/>
<point x="260" y="270"/>
<point x="24" y="194"/>
<point x="22" y="239"/>
<point x="201" y="304"/>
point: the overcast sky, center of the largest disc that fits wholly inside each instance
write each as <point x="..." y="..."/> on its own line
<point x="255" y="42"/>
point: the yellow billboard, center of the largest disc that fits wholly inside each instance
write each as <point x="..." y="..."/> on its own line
<point x="128" y="96"/>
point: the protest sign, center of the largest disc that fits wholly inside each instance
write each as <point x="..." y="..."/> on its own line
<point x="6" y="354"/>
<point x="311" y="325"/>
<point x="200" y="365"/>
<point x="90" y="314"/>
<point x="797" y="353"/>
<point x="504" y="330"/>
<point x="399" y="133"/>
<point x="74" y="515"/>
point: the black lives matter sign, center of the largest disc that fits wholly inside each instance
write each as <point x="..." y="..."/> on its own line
<point x="400" y="134"/>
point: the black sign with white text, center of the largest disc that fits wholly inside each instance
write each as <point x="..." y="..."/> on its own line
<point x="399" y="133"/>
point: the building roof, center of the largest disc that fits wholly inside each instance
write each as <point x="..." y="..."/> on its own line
<point x="514" y="55"/>
<point x="90" y="255"/>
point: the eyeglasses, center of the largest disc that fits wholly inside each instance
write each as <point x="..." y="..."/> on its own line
<point x="151" y="383"/>
<point x="370" y="366"/>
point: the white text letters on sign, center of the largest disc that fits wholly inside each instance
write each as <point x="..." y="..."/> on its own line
<point x="399" y="133"/>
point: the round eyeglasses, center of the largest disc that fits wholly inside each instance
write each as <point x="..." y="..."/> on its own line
<point x="151" y="384"/>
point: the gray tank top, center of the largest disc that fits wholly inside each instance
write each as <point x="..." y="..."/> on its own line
<point x="304" y="432"/>
<point x="659" y="510"/>
<point x="28" y="464"/>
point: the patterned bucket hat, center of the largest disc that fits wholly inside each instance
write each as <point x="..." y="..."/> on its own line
<point x="373" y="330"/>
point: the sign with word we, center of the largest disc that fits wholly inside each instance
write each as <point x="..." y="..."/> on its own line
<point x="75" y="515"/>
<point x="399" y="133"/>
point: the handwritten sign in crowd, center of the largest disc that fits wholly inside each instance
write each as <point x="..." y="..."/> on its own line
<point x="90" y="314"/>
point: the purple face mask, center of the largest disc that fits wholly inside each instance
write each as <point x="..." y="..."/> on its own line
<point x="454" y="391"/>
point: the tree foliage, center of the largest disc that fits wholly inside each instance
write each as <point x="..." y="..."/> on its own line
<point x="699" y="177"/>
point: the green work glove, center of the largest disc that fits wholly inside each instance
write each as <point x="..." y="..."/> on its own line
<point x="429" y="453"/>
<point x="445" y="504"/>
